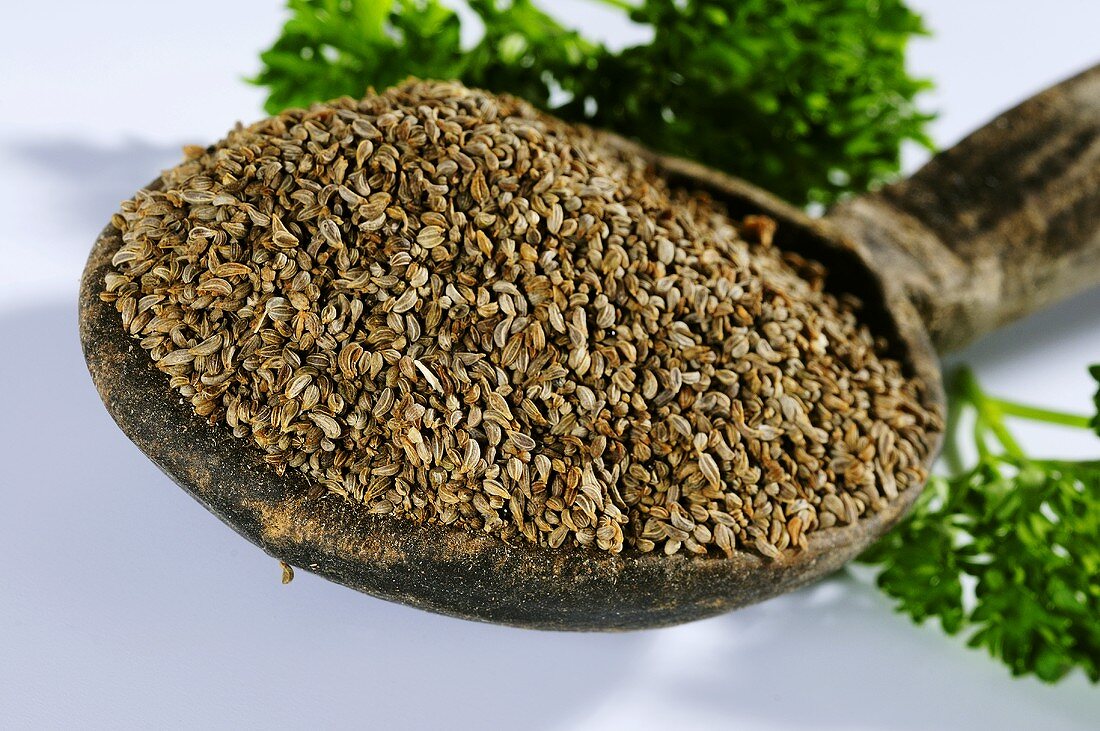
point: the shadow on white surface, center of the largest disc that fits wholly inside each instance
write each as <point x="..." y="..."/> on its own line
<point x="90" y="180"/>
<point x="835" y="656"/>
<point x="1075" y="320"/>
<point x="1043" y="360"/>
<point x="61" y="192"/>
<point x="123" y="603"/>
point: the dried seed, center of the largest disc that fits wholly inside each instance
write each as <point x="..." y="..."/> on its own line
<point x="709" y="468"/>
<point x="430" y="237"/>
<point x="444" y="306"/>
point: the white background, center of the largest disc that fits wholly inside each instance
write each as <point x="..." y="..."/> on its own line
<point x="124" y="604"/>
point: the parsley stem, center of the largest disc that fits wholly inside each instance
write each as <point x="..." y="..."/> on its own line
<point x="990" y="415"/>
<point x="951" y="453"/>
<point x="1069" y="465"/>
<point x="1034" y="413"/>
<point x="620" y="4"/>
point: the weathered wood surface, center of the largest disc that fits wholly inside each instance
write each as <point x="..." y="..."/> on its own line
<point x="1000" y="225"/>
<point x="454" y="571"/>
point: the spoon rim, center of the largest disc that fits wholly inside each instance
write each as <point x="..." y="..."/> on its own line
<point x="452" y="570"/>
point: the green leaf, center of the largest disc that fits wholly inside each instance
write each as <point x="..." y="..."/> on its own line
<point x="782" y="94"/>
<point x="1024" y="532"/>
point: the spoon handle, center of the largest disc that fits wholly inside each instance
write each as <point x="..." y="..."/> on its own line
<point x="1002" y="224"/>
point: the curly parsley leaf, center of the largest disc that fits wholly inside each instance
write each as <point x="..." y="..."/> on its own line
<point x="925" y="582"/>
<point x="329" y="48"/>
<point x="1024" y="533"/>
<point x="809" y="100"/>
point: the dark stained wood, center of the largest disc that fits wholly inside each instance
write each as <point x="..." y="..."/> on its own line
<point x="1002" y="224"/>
<point x="454" y="571"/>
<point x="998" y="226"/>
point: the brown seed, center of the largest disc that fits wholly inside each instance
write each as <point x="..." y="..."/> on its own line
<point x="430" y="237"/>
<point x="444" y="306"/>
<point x="709" y="468"/>
<point x="327" y="424"/>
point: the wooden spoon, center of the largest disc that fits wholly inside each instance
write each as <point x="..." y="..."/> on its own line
<point x="1004" y="223"/>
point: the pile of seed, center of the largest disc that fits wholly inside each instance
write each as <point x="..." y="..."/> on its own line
<point x="444" y="305"/>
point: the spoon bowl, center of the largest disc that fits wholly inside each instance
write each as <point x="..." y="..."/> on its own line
<point x="872" y="248"/>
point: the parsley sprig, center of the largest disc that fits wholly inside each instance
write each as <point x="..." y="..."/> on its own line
<point x="1006" y="551"/>
<point x="808" y="100"/>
